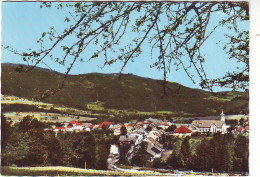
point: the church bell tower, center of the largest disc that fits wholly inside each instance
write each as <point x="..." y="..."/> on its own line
<point x="222" y="116"/>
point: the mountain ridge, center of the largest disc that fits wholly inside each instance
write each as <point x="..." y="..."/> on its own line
<point x="130" y="92"/>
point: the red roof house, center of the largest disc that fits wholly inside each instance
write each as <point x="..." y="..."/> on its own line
<point x="92" y="126"/>
<point x="182" y="129"/>
<point x="60" y="128"/>
<point x="122" y="125"/>
<point x="73" y="122"/>
<point x="104" y="123"/>
<point x="239" y="129"/>
<point x="165" y="124"/>
<point x="143" y="122"/>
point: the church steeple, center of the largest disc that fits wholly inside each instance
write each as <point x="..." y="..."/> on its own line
<point x="223" y="117"/>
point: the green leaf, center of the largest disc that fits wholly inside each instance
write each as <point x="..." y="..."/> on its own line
<point x="67" y="19"/>
<point x="43" y="34"/>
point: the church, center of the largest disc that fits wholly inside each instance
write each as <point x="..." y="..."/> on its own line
<point x="212" y="126"/>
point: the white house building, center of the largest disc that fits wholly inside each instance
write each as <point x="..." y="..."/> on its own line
<point x="212" y="126"/>
<point x="114" y="149"/>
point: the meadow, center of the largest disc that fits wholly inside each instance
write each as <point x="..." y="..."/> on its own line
<point x="70" y="171"/>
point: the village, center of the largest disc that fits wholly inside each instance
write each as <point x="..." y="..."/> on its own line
<point x="154" y="137"/>
<point x="151" y="131"/>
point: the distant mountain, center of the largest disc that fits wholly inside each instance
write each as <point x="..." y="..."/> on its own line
<point x="128" y="92"/>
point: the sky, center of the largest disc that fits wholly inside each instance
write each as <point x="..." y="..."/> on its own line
<point x="24" y="22"/>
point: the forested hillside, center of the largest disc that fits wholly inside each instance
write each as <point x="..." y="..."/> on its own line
<point x="128" y="92"/>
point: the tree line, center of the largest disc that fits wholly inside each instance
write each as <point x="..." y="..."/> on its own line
<point x="221" y="153"/>
<point x="27" y="144"/>
<point x="218" y="153"/>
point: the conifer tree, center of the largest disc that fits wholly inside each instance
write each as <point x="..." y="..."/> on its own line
<point x="185" y="153"/>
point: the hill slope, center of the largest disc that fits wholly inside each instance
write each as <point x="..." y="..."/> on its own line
<point x="129" y="92"/>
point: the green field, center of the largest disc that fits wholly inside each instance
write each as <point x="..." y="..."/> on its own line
<point x="69" y="171"/>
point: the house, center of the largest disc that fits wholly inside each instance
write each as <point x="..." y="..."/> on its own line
<point x="246" y="131"/>
<point x="117" y="131"/>
<point x="73" y="122"/>
<point x="164" y="125"/>
<point x="114" y="149"/>
<point x="69" y="128"/>
<point x="93" y="126"/>
<point x="58" y="129"/>
<point x="116" y="126"/>
<point x="144" y="124"/>
<point x="155" y="134"/>
<point x="189" y="126"/>
<point x="210" y="126"/>
<point x="239" y="129"/>
<point x="105" y="125"/>
<point x="154" y="148"/>
<point x="140" y="134"/>
<point x="126" y="139"/>
<point x="78" y="126"/>
<point x="247" y="128"/>
<point x="121" y="124"/>
<point x="182" y="131"/>
<point x="153" y="142"/>
<point x="153" y="120"/>
<point x="129" y="126"/>
<point x="153" y="152"/>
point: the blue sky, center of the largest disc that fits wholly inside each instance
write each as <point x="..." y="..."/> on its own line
<point x="24" y="22"/>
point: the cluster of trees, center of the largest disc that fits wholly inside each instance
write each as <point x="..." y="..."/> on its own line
<point x="221" y="153"/>
<point x="27" y="144"/>
<point x="140" y="158"/>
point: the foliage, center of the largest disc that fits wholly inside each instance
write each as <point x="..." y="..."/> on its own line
<point x="181" y="34"/>
<point x="140" y="157"/>
<point x="241" y="154"/>
<point x="28" y="123"/>
<point x="171" y="128"/>
<point x="233" y="123"/>
<point x="158" y="163"/>
<point x="123" y="150"/>
<point x="185" y="153"/>
<point x="123" y="130"/>
<point x="29" y="145"/>
<point x="6" y="132"/>
<point x="149" y="128"/>
<point x="35" y="147"/>
<point x="118" y="97"/>
<point x="202" y="159"/>
<point x="220" y="153"/>
<point x="174" y="160"/>
<point x="237" y="48"/>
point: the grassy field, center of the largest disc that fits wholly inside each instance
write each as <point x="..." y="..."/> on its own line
<point x="7" y="99"/>
<point x="45" y="117"/>
<point x="69" y="171"/>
